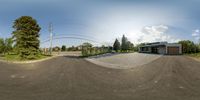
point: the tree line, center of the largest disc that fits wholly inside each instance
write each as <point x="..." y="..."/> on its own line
<point x="64" y="48"/>
<point x="189" y="46"/>
<point x="124" y="46"/>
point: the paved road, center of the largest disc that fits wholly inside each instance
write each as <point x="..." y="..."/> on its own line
<point x="71" y="78"/>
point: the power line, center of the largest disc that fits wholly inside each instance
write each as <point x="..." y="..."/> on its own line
<point x="71" y="37"/>
<point x="80" y="38"/>
<point x="77" y="35"/>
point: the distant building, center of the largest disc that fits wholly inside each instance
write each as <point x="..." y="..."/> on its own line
<point x="161" y="48"/>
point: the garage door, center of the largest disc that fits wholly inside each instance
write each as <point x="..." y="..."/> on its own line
<point x="173" y="50"/>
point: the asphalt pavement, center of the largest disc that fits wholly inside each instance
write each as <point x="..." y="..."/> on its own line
<point x="123" y="60"/>
<point x="73" y="78"/>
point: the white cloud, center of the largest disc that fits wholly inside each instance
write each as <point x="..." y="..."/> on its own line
<point x="197" y="30"/>
<point x="156" y="34"/>
<point x="157" y="30"/>
<point x="113" y="22"/>
<point x="196" y="33"/>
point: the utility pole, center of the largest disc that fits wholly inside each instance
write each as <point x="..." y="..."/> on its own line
<point x="51" y="36"/>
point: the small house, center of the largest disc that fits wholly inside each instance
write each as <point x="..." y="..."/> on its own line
<point x="161" y="48"/>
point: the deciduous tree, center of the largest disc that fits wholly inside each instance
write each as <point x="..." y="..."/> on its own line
<point x="6" y="45"/>
<point x="188" y="46"/>
<point x="130" y="46"/>
<point x="2" y="45"/>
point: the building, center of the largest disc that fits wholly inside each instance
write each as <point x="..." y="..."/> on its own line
<point x="161" y="48"/>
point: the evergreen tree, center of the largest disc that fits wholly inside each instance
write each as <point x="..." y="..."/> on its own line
<point x="116" y="45"/>
<point x="124" y="46"/>
<point x="63" y="48"/>
<point x="26" y="37"/>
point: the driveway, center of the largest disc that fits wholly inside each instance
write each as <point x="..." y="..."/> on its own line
<point x="73" y="78"/>
<point x="123" y="60"/>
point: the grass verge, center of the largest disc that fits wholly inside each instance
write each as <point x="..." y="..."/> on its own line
<point x="15" y="57"/>
<point x="195" y="55"/>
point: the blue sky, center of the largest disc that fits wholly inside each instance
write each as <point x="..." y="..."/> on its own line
<point x="105" y="20"/>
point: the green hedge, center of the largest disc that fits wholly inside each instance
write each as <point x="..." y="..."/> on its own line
<point x="92" y="51"/>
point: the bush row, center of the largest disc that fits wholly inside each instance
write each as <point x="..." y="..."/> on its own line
<point x="92" y="51"/>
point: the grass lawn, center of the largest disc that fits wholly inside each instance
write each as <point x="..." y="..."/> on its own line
<point x="195" y="55"/>
<point x="14" y="57"/>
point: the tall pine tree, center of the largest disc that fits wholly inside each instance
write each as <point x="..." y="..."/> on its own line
<point x="124" y="46"/>
<point x="26" y="37"/>
<point x="116" y="45"/>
